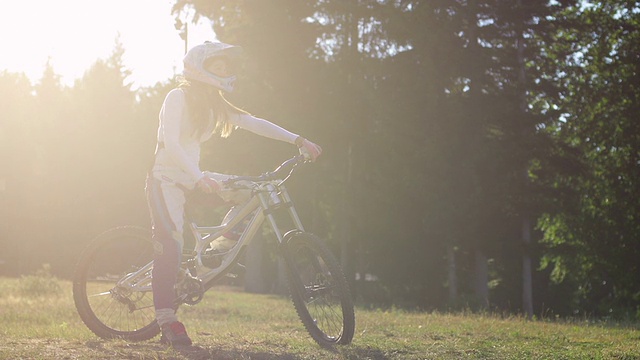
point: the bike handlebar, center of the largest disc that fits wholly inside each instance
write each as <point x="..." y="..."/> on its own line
<point x="283" y="171"/>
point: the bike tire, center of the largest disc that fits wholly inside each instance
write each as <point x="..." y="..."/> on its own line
<point x="319" y="290"/>
<point x="106" y="310"/>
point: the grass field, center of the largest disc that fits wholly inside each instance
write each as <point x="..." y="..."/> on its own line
<point x="39" y="321"/>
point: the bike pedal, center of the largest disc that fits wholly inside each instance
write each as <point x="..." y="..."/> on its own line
<point x="237" y="270"/>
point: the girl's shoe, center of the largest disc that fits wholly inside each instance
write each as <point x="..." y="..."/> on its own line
<point x="175" y="334"/>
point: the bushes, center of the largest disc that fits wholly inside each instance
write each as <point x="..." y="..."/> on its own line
<point x="41" y="283"/>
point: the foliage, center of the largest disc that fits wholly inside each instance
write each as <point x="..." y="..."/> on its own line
<point x="428" y="138"/>
<point x="41" y="283"/>
<point x="444" y="125"/>
<point x="591" y="227"/>
<point x="77" y="164"/>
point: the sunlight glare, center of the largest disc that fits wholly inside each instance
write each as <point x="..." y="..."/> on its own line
<point x="73" y="34"/>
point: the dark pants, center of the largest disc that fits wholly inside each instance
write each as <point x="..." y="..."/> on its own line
<point x="166" y="205"/>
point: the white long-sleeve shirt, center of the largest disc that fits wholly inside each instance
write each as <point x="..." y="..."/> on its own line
<point x="179" y="157"/>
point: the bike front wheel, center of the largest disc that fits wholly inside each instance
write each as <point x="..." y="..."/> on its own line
<point x="110" y="306"/>
<point x="319" y="290"/>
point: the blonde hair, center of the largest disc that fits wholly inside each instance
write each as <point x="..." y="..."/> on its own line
<point x="203" y="101"/>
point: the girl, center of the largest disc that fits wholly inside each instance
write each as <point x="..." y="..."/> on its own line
<point x="190" y="115"/>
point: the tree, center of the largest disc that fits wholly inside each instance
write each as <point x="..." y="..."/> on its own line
<point x="400" y="115"/>
<point x="86" y="174"/>
<point x="591" y="228"/>
<point x="277" y="82"/>
<point x="443" y="124"/>
<point x="18" y="159"/>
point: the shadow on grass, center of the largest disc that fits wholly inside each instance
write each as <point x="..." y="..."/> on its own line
<point x="126" y="350"/>
<point x="199" y="353"/>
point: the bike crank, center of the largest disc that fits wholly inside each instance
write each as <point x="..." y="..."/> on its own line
<point x="190" y="291"/>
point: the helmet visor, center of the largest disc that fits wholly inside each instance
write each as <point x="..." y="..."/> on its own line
<point x="221" y="66"/>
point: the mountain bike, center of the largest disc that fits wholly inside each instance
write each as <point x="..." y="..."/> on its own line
<point x="112" y="280"/>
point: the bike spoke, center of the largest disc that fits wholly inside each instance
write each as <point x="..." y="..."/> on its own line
<point x="109" y="306"/>
<point x="322" y="292"/>
<point x="101" y="294"/>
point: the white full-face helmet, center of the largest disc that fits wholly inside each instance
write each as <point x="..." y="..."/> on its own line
<point x="195" y="59"/>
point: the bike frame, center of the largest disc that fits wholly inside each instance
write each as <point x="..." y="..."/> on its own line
<point x="268" y="196"/>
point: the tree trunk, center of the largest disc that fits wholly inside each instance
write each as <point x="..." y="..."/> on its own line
<point x="527" y="283"/>
<point x="481" y="282"/>
<point x="254" y="280"/>
<point x="347" y="245"/>
<point x="453" y="278"/>
<point x="482" y="279"/>
<point x="281" y="286"/>
<point x="527" y="286"/>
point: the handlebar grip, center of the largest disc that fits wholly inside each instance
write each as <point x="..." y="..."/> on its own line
<point x="304" y="153"/>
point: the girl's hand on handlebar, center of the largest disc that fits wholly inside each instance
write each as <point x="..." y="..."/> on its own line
<point x="208" y="185"/>
<point x="310" y="150"/>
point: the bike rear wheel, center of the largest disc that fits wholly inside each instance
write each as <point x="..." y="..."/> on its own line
<point x="319" y="290"/>
<point x="111" y="309"/>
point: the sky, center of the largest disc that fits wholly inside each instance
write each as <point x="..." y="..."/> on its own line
<point x="74" y="34"/>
